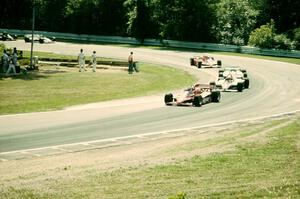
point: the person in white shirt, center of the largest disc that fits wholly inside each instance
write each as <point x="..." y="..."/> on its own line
<point x="81" y="61"/>
<point x="94" y="61"/>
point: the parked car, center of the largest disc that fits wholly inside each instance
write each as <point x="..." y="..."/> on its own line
<point x="39" y="38"/>
<point x="232" y="79"/>
<point x="196" y="95"/>
<point x="205" y="61"/>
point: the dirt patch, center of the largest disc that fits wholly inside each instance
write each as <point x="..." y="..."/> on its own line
<point x="51" y="68"/>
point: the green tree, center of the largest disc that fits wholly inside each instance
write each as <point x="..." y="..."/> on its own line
<point x="263" y="37"/>
<point x="103" y="17"/>
<point x="281" y="41"/>
<point x="285" y="14"/>
<point x="235" y="20"/>
<point x="15" y="14"/>
<point x="189" y="20"/>
<point x="296" y="38"/>
<point x="140" y="22"/>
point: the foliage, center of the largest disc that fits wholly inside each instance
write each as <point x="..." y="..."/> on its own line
<point x="221" y="21"/>
<point x="285" y="14"/>
<point x="235" y="20"/>
<point x="281" y="41"/>
<point x="263" y="37"/>
<point x="2" y="47"/>
<point x="296" y="38"/>
<point x="140" y="23"/>
<point x="184" y="19"/>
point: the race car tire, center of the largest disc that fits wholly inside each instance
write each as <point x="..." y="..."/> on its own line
<point x="246" y="84"/>
<point x="41" y="41"/>
<point x="215" y="96"/>
<point x="219" y="63"/>
<point x="220" y="75"/>
<point x="199" y="64"/>
<point x="240" y="87"/>
<point x="168" y="98"/>
<point x="244" y="73"/>
<point x="26" y="39"/>
<point x="212" y="85"/>
<point x="192" y="61"/>
<point x="198" y="100"/>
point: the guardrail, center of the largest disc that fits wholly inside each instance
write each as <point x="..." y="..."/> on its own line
<point x="168" y="43"/>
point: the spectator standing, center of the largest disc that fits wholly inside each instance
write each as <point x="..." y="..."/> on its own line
<point x="81" y="61"/>
<point x="11" y="67"/>
<point x="15" y="60"/>
<point x="5" y="61"/>
<point x="130" y="63"/>
<point x="94" y="61"/>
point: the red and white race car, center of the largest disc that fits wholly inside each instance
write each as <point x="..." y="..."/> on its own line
<point x="206" y="61"/>
<point x="196" y="95"/>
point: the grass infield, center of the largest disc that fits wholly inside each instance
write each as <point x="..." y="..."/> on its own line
<point x="53" y="87"/>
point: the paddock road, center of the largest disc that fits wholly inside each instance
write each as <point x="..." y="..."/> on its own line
<point x="274" y="89"/>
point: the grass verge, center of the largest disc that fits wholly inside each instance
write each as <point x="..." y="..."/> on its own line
<point x="54" y="87"/>
<point x="251" y="169"/>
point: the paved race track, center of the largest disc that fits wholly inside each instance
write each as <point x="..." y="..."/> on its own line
<point x="274" y="89"/>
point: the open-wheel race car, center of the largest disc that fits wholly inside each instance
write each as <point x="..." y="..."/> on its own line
<point x="39" y="38"/>
<point x="196" y="95"/>
<point x="4" y="36"/>
<point x="232" y="79"/>
<point x="205" y="61"/>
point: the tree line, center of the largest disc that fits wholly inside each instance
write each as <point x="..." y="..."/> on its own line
<point x="238" y="22"/>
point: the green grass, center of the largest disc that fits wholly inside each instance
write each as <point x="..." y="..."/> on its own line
<point x="54" y="88"/>
<point x="268" y="169"/>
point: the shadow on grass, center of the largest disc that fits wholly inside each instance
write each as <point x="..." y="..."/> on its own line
<point x="32" y="75"/>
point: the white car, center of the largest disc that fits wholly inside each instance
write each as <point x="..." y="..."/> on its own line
<point x="232" y="79"/>
<point x="206" y="61"/>
<point x="38" y="38"/>
<point x="7" y="37"/>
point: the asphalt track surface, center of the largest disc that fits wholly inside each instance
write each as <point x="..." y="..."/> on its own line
<point x="274" y="89"/>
